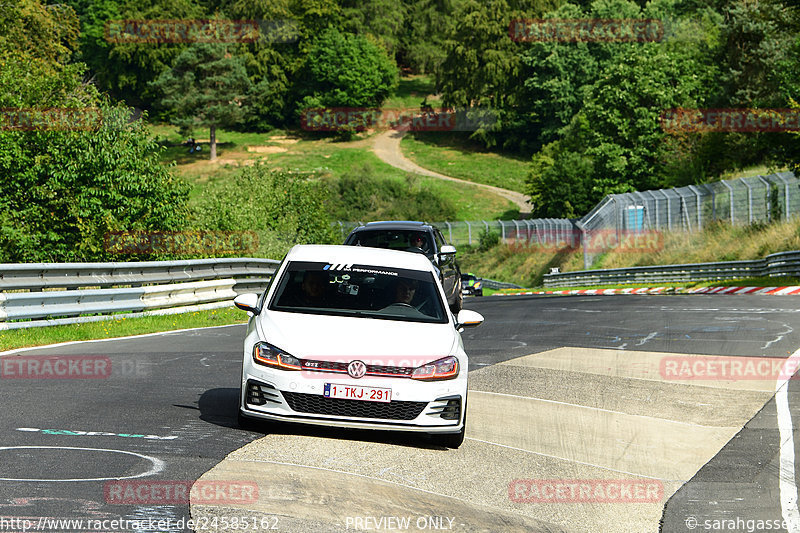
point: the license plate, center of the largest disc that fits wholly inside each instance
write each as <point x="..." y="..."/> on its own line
<point x="356" y="392"/>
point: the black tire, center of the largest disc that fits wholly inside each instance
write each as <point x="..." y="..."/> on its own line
<point x="454" y="440"/>
<point x="245" y="422"/>
<point x="451" y="440"/>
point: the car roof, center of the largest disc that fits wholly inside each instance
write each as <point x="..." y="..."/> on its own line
<point x="362" y="255"/>
<point x="394" y="225"/>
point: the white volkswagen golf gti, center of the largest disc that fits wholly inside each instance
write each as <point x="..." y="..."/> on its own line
<point x="356" y="337"/>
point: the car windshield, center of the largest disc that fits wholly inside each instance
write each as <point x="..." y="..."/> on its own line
<point x="408" y="240"/>
<point x="359" y="290"/>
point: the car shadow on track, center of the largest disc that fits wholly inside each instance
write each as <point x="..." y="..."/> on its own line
<point x="220" y="407"/>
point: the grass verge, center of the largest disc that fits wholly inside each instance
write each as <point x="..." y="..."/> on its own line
<point x="121" y="327"/>
<point x="524" y="264"/>
<point x="453" y="154"/>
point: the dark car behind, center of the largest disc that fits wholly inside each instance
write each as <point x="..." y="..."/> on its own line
<point x="419" y="237"/>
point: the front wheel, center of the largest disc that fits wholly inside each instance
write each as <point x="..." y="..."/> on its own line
<point x="245" y="422"/>
<point x="454" y="440"/>
<point x="451" y="440"/>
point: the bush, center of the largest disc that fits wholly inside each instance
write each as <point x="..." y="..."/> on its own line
<point x="283" y="209"/>
<point x="63" y="190"/>
<point x="487" y="240"/>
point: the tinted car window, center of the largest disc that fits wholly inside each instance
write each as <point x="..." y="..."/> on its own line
<point x="392" y="239"/>
<point x="361" y="290"/>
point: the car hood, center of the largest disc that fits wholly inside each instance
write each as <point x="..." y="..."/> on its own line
<point x="312" y="336"/>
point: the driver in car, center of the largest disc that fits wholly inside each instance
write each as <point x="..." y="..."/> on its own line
<point x="417" y="242"/>
<point x="405" y="290"/>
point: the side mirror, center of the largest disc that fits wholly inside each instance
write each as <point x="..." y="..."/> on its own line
<point x="468" y="319"/>
<point x="247" y="302"/>
<point x="448" y="249"/>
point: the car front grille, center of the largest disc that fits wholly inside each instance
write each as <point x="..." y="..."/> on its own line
<point x="372" y="370"/>
<point x="316" y="404"/>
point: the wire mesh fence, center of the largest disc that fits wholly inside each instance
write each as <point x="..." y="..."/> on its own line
<point x="739" y="201"/>
<point x="636" y="219"/>
<point x="549" y="231"/>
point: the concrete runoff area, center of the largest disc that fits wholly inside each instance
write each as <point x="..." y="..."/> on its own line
<point x="555" y="420"/>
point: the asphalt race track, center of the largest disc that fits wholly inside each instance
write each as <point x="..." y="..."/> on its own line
<point x="586" y="413"/>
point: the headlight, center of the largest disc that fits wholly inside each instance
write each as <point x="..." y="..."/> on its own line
<point x="446" y="368"/>
<point x="267" y="354"/>
<point x="477" y="284"/>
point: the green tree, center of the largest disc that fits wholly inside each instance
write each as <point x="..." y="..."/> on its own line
<point x="206" y="86"/>
<point x="382" y="20"/>
<point x="346" y="70"/>
<point x="64" y="187"/>
<point x="125" y="69"/>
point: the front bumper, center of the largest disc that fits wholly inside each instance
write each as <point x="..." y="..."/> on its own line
<point x="431" y="407"/>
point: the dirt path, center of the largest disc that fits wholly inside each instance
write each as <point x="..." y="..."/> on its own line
<point x="387" y="147"/>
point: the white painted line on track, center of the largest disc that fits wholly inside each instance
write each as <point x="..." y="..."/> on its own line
<point x="158" y="464"/>
<point x="584" y="463"/>
<point x="17" y="350"/>
<point x="692" y="424"/>
<point x="788" y="487"/>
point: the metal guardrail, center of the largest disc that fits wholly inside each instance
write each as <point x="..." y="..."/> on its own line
<point x="774" y="265"/>
<point x="38" y="276"/>
<point x="85" y="290"/>
<point x="494" y="284"/>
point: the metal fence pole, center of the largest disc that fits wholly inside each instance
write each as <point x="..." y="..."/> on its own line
<point x="767" y="205"/>
<point x="469" y="232"/>
<point x="669" y="215"/>
<point x="749" y="200"/>
<point x="786" y="196"/>
<point x="449" y="231"/>
<point x="730" y="193"/>
<point x="697" y="197"/>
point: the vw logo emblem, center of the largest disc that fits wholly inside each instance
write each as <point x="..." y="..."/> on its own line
<point x="357" y="369"/>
